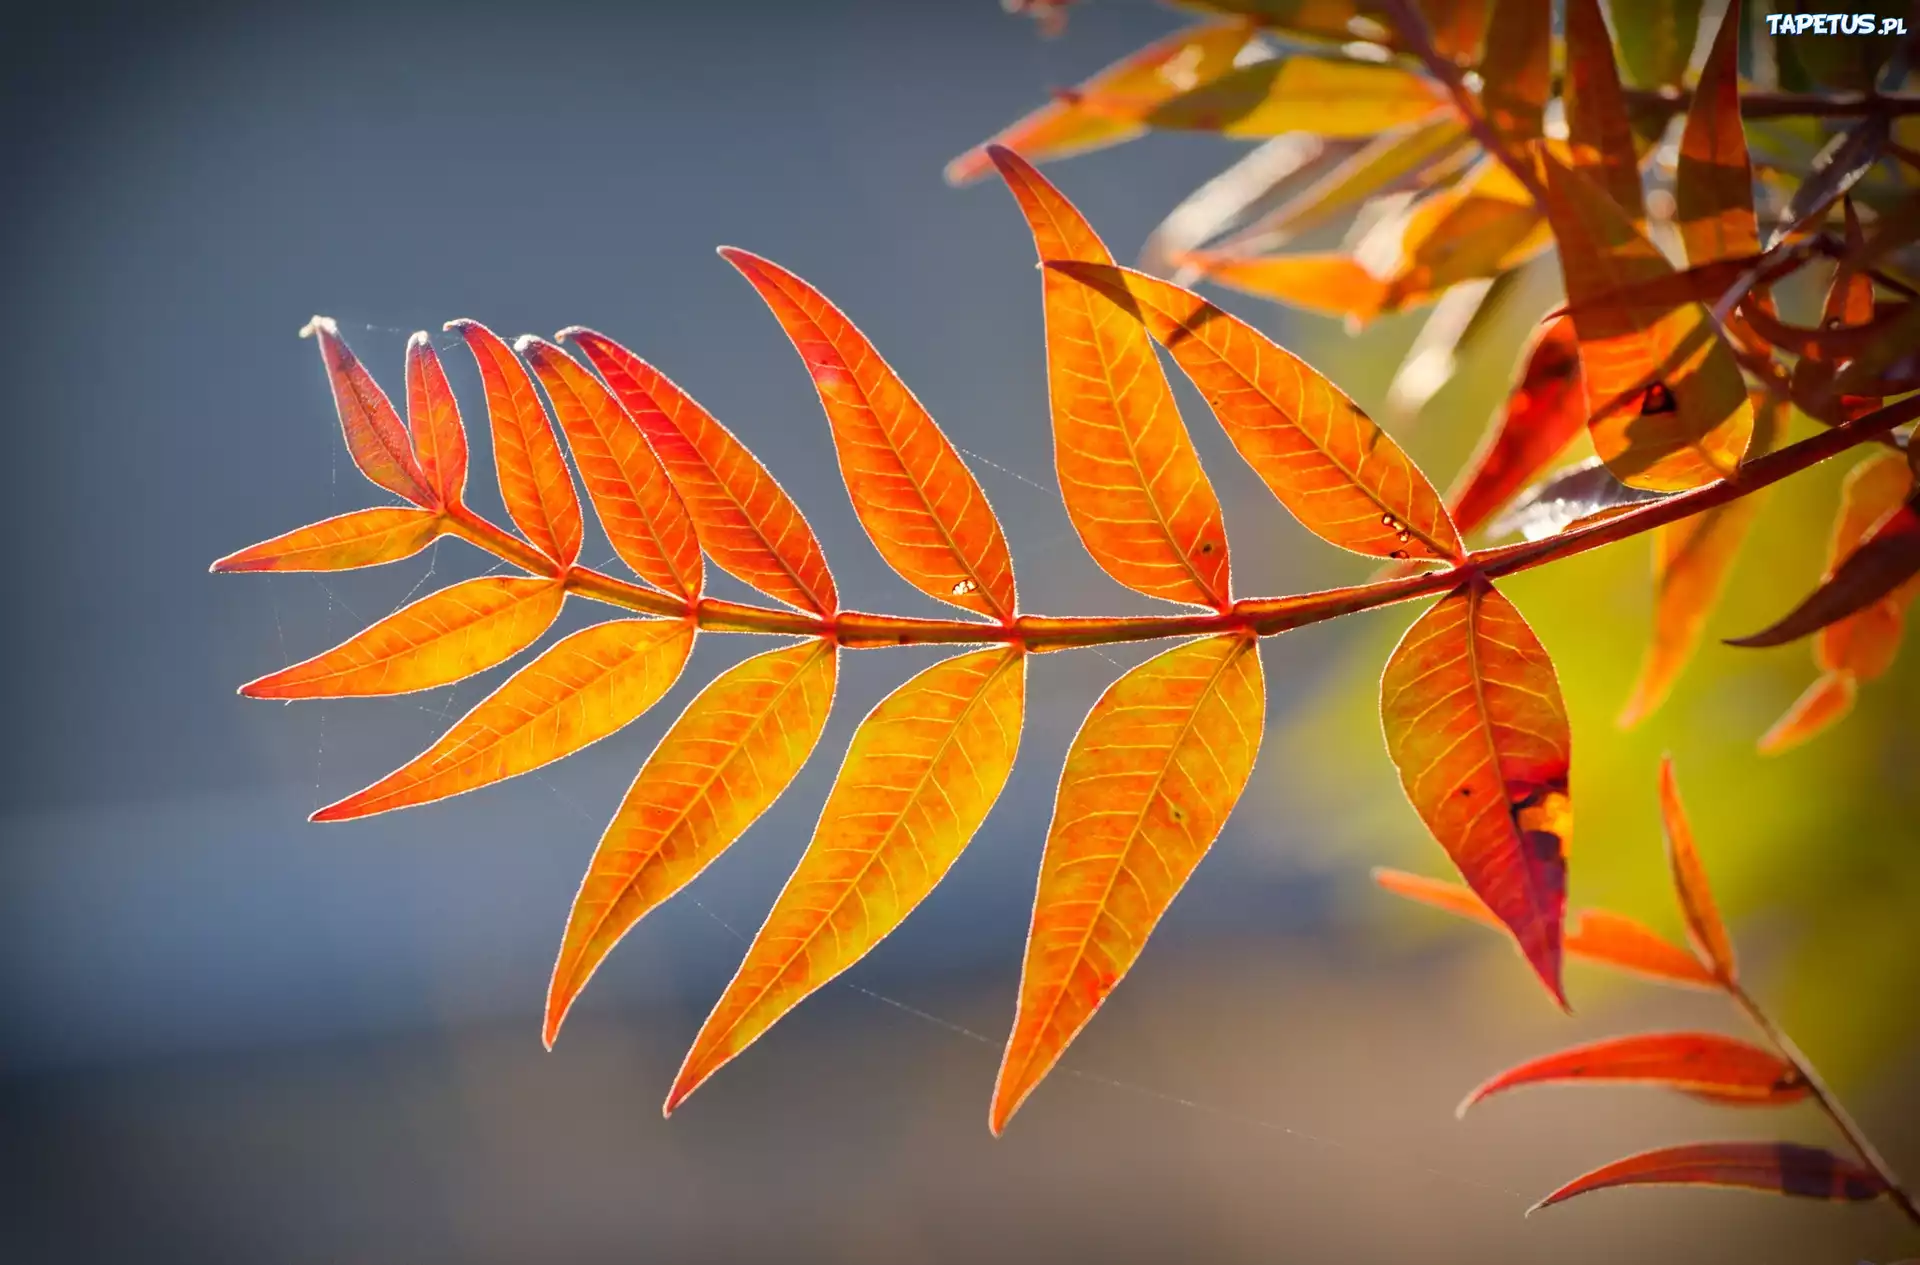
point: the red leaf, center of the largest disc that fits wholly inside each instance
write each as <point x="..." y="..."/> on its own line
<point x="376" y="440"/>
<point x="1696" y="1062"/>
<point x="1546" y="410"/>
<point x="433" y="416"/>
<point x="1781" y="1168"/>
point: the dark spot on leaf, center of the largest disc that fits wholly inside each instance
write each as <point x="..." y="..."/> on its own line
<point x="1658" y="399"/>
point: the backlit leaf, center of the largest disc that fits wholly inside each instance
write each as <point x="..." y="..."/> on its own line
<point x="1108" y="108"/>
<point x="1476" y="726"/>
<point x="1149" y="781"/>
<point x="1780" y="1168"/>
<point x="1667" y="408"/>
<point x="1705" y="930"/>
<point x="1302" y="93"/>
<point x="534" y="481"/>
<point x="918" y="501"/>
<point x="1692" y="559"/>
<point x="1713" y="181"/>
<point x="1379" y="166"/>
<point x="1482" y="226"/>
<point x="1823" y="704"/>
<point x="1339" y="474"/>
<point x="1253" y="181"/>
<point x="444" y="637"/>
<point x="725" y="760"/>
<point x="376" y="439"/>
<point x="923" y="771"/>
<point x="1695" y="1062"/>
<point x="1544" y="412"/>
<point x="1882" y="568"/>
<point x="644" y="518"/>
<point x="433" y="418"/>
<point x="745" y="520"/>
<point x="1131" y="480"/>
<point x="1836" y="169"/>
<point x="583" y="688"/>
<point x="1330" y="283"/>
<point x="1598" y="133"/>
<point x="1583" y="491"/>
<point x="1594" y="935"/>
<point x="362" y="538"/>
<point x="1656" y="38"/>
<point x="1517" y="70"/>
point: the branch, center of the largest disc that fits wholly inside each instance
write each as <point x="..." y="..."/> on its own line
<point x="1776" y="105"/>
<point x="1845" y="1123"/>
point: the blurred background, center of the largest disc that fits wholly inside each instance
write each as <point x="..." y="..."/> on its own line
<point x="230" y="1036"/>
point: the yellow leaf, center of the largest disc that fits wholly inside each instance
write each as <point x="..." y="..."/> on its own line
<point x="1301" y="93"/>
<point x="921" y="775"/>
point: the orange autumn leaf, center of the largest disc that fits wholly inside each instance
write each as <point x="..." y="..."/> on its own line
<point x="1694" y="1062"/>
<point x="1598" y="133"/>
<point x="1779" y="1168"/>
<point x="923" y="771"/>
<point x="1331" y="283"/>
<point x="1594" y="935"/>
<point x="1327" y="462"/>
<point x="644" y="518"/>
<point x="376" y="439"/>
<point x="1861" y="646"/>
<point x="443" y="637"/>
<point x="1303" y="93"/>
<point x="534" y="481"/>
<point x="1544" y="412"/>
<point x="744" y="519"/>
<point x="921" y="506"/>
<point x="1484" y="225"/>
<point x="1517" y="69"/>
<point x="433" y="418"/>
<point x="1132" y="482"/>
<point x="1705" y="930"/>
<point x="1713" y="181"/>
<point x="1149" y="781"/>
<point x="1883" y="569"/>
<point x="1109" y="107"/>
<point x="581" y="689"/>
<point x="1692" y="561"/>
<point x="737" y="746"/>
<point x="1667" y="408"/>
<point x="1475" y="724"/>
<point x="361" y="538"/>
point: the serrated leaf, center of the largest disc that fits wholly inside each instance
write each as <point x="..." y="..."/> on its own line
<point x="745" y="520"/>
<point x="642" y="514"/>
<point x="920" y="505"/>
<point x="1302" y="93"/>
<point x="1692" y="560"/>
<point x="376" y="439"/>
<point x="1705" y="930"/>
<point x="433" y="419"/>
<point x="923" y="770"/>
<point x="1598" y="132"/>
<point x="1713" y="179"/>
<point x="1594" y="935"/>
<point x="534" y="481"/>
<point x="1475" y="724"/>
<point x="1657" y="37"/>
<point x="1132" y="482"/>
<point x="1108" y="108"/>
<point x="1149" y="781"/>
<point x="1517" y="69"/>
<point x="1337" y="472"/>
<point x="731" y="753"/>
<point x="442" y="638"/>
<point x="1667" y="408"/>
<point x="1694" y="1062"/>
<point x="1780" y="1168"/>
<point x="584" y="687"/>
<point x="361" y="538"/>
<point x="1544" y="412"/>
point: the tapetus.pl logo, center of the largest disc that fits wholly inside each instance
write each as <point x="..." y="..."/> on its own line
<point x="1834" y="24"/>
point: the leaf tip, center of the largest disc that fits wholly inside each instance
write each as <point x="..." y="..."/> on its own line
<point x="323" y="326"/>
